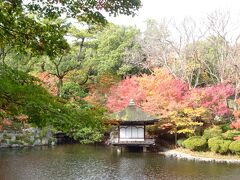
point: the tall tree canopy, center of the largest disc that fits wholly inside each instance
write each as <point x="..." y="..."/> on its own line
<point x="115" y="39"/>
<point x="36" y="25"/>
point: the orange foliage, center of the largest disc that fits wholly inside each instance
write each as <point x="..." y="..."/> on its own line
<point x="6" y="122"/>
<point x="236" y="138"/>
<point x="236" y="124"/>
<point x="49" y="82"/>
<point x="22" y="118"/>
<point x="163" y="92"/>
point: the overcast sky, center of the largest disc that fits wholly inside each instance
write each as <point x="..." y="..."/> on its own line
<point x="178" y="9"/>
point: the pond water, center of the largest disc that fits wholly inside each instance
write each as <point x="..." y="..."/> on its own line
<point x="98" y="162"/>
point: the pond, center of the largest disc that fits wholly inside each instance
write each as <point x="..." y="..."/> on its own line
<point x="99" y="162"/>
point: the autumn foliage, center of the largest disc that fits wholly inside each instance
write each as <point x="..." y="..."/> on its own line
<point x="236" y="124"/>
<point x="212" y="98"/>
<point x="121" y="93"/>
<point x="160" y="94"/>
<point x="8" y="121"/>
<point x="163" y="93"/>
<point x="49" y="82"/>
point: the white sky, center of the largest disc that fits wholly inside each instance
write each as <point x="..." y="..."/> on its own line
<point x="178" y="9"/>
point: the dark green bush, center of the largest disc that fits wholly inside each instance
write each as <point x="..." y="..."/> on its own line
<point x="234" y="147"/>
<point x="225" y="127"/>
<point x="230" y="134"/>
<point x="88" y="135"/>
<point x="71" y="89"/>
<point x="195" y="143"/>
<point x="215" y="131"/>
<point x="219" y="145"/>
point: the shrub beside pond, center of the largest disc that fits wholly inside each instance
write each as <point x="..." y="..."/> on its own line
<point x="224" y="147"/>
<point x="214" y="144"/>
<point x="219" y="145"/>
<point x="195" y="143"/>
<point x="235" y="147"/>
<point x="215" y="131"/>
<point x="216" y="140"/>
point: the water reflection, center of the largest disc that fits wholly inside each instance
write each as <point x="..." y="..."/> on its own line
<point x="95" y="162"/>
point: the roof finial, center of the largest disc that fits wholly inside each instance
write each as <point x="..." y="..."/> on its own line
<point x="131" y="102"/>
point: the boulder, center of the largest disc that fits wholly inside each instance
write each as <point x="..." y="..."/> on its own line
<point x="44" y="141"/>
<point x="15" y="145"/>
<point x="37" y="142"/>
<point x="49" y="134"/>
<point x="4" y="145"/>
<point x="37" y="132"/>
<point x="1" y="136"/>
<point x="32" y="138"/>
<point x="13" y="137"/>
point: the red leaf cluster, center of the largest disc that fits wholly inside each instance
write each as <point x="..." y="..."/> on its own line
<point x="160" y="94"/>
<point x="212" y="98"/>
<point x="121" y="93"/>
<point x="235" y="124"/>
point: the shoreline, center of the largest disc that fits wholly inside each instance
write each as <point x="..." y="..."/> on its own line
<point x="179" y="154"/>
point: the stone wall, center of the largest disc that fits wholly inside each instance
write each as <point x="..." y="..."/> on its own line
<point x="27" y="137"/>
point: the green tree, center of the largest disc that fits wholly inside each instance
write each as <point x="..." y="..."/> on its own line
<point x="85" y="10"/>
<point x="22" y="94"/>
<point x="22" y="30"/>
<point x="36" y="24"/>
<point x="108" y="54"/>
<point x="82" y="37"/>
<point x="61" y="66"/>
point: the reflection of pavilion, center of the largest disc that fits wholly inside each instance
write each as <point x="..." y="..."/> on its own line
<point x="130" y="130"/>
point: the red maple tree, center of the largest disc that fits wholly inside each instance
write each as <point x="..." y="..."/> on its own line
<point x="212" y="97"/>
<point x="121" y="93"/>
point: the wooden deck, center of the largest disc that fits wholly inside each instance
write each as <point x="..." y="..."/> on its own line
<point x="135" y="143"/>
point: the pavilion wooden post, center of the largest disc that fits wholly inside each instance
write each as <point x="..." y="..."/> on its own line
<point x="118" y="133"/>
<point x="144" y="131"/>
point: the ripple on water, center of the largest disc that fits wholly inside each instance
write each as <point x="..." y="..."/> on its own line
<point x="96" y="162"/>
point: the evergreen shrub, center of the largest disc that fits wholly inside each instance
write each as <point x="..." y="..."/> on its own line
<point x="195" y="143"/>
<point x="215" y="131"/>
<point x="219" y="145"/>
<point x="234" y="147"/>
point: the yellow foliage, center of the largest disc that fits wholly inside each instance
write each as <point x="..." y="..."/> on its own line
<point x="187" y="119"/>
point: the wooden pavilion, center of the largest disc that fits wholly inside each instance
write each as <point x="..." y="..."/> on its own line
<point x="130" y="127"/>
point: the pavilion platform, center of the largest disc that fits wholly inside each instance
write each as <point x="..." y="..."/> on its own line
<point x="145" y="142"/>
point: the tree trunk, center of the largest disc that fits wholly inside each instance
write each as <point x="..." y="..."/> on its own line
<point x="80" y="49"/>
<point x="60" y="85"/>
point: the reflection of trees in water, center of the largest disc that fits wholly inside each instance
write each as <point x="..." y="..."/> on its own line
<point x="100" y="162"/>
